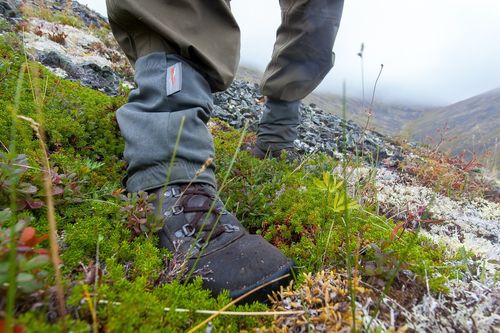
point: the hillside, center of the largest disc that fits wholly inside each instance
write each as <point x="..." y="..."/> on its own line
<point x="386" y="237"/>
<point x="472" y="125"/>
<point x="388" y="119"/>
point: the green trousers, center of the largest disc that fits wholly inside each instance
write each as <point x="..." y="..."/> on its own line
<point x="205" y="38"/>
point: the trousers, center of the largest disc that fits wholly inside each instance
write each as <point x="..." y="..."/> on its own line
<point x="204" y="36"/>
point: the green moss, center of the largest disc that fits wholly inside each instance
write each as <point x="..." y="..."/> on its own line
<point x="79" y="120"/>
<point x="36" y="321"/>
<point x="283" y="203"/>
<point x="4" y="25"/>
<point x="67" y="19"/>
<point x="276" y="199"/>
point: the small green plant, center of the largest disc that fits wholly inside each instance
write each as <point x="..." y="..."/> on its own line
<point x="31" y="259"/>
<point x="4" y="24"/>
<point x="384" y="263"/>
<point x="139" y="214"/>
<point x="335" y="198"/>
<point x="12" y="171"/>
<point x="67" y="18"/>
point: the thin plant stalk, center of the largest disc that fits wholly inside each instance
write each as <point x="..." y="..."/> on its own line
<point x="92" y="308"/>
<point x="171" y="164"/>
<point x="218" y="312"/>
<point x="345" y="217"/>
<point x="360" y="55"/>
<point x="370" y="109"/>
<point x="95" y="323"/>
<point x="375" y="85"/>
<point x="11" y="292"/>
<point x="47" y="183"/>
<point x="212" y="206"/>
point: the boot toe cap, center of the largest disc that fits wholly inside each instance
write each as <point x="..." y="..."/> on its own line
<point x="245" y="265"/>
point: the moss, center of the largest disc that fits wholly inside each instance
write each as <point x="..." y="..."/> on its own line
<point x="79" y="120"/>
<point x="36" y="321"/>
<point x="4" y="24"/>
<point x="43" y="12"/>
<point x="279" y="200"/>
<point x="283" y="203"/>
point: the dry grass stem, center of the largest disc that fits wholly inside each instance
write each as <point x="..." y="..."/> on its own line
<point x="210" y="312"/>
<point x="47" y="182"/>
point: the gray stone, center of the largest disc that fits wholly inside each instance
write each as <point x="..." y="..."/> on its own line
<point x="318" y="130"/>
<point x="8" y="8"/>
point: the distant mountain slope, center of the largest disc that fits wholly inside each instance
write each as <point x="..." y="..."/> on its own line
<point x="387" y="118"/>
<point x="473" y="124"/>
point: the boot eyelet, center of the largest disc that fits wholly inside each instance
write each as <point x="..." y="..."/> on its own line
<point x="199" y="244"/>
<point x="176" y="192"/>
<point x="176" y="210"/>
<point x="188" y="230"/>
<point x="230" y="228"/>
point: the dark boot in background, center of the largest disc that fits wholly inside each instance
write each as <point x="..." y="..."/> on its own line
<point x="277" y="129"/>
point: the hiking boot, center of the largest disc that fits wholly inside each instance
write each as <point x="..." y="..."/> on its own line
<point x="277" y="129"/>
<point x="212" y="240"/>
<point x="290" y="154"/>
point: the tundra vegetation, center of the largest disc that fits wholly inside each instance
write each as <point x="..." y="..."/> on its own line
<point x="361" y="265"/>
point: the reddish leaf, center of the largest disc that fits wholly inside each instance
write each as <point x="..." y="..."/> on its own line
<point x="57" y="190"/>
<point x="17" y="328"/>
<point x="35" y="204"/>
<point x="41" y="251"/>
<point x="41" y="238"/>
<point x="28" y="236"/>
<point x="56" y="179"/>
<point x="396" y="229"/>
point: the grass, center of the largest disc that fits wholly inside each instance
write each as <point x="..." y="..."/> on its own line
<point x="278" y="200"/>
<point x="41" y="11"/>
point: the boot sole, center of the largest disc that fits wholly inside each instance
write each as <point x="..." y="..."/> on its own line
<point x="261" y="295"/>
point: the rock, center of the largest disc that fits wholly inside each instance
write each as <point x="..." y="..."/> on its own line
<point x="8" y="8"/>
<point x="88" y="16"/>
<point x="79" y="57"/>
<point x="318" y="130"/>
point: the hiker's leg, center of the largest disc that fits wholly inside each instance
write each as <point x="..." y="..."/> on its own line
<point x="156" y="35"/>
<point x="302" y="56"/>
<point x="201" y="37"/>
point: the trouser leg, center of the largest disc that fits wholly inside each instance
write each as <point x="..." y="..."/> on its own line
<point x="302" y="56"/>
<point x="204" y="33"/>
<point x="155" y="35"/>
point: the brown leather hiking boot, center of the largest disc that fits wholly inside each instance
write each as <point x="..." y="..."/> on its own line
<point x="209" y="238"/>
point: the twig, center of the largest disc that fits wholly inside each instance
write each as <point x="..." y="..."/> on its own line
<point x="92" y="308"/>
<point x="4" y="146"/>
<point x="221" y="313"/>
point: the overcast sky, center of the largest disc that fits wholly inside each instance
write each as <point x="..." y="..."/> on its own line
<point x="435" y="52"/>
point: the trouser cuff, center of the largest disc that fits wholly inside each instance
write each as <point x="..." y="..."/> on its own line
<point x="278" y="125"/>
<point x="158" y="176"/>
